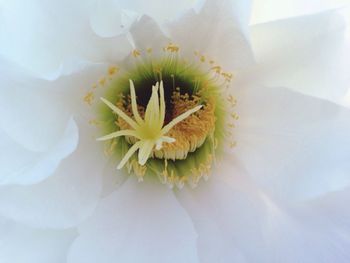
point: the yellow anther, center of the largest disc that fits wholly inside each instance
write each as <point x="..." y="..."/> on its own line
<point x="112" y="70"/>
<point x="149" y="50"/>
<point x="227" y="76"/>
<point x="235" y="116"/>
<point x="217" y="69"/>
<point x="202" y="58"/>
<point x="172" y="48"/>
<point x="89" y="97"/>
<point x="136" y="53"/>
<point x="102" y="81"/>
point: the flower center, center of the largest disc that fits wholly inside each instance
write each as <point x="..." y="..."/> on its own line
<point x="149" y="132"/>
<point x="162" y="115"/>
<point x="188" y="135"/>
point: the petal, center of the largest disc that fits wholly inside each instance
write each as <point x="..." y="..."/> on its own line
<point x="19" y="244"/>
<point x="218" y="30"/>
<point x="30" y="113"/>
<point x="140" y="222"/>
<point x="35" y="36"/>
<point x="161" y="10"/>
<point x="21" y="166"/>
<point x="112" y="177"/>
<point x="237" y="222"/>
<point x="142" y="39"/>
<point x="109" y="18"/>
<point x="297" y="146"/>
<point x="229" y="213"/>
<point x="269" y="10"/>
<point x="325" y="229"/>
<point x="67" y="197"/>
<point x="309" y="54"/>
<point x="74" y="86"/>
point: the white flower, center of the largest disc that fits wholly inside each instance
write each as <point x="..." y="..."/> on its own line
<point x="280" y="195"/>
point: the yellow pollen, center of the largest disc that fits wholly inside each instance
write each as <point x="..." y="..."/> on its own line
<point x="136" y="53"/>
<point x="102" y="81"/>
<point x="217" y="69"/>
<point x="112" y="70"/>
<point x="227" y="76"/>
<point x="172" y="48"/>
<point x="89" y="97"/>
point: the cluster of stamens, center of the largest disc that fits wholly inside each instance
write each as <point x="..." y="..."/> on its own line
<point x="189" y="134"/>
<point x="150" y="131"/>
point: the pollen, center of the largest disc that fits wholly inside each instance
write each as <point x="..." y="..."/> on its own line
<point x="112" y="70"/>
<point x="217" y="69"/>
<point x="89" y="97"/>
<point x="172" y="48"/>
<point x="136" y="53"/>
<point x="102" y="81"/>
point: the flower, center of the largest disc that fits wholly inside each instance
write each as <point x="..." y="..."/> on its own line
<point x="279" y="194"/>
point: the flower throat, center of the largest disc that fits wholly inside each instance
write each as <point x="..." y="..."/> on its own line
<point x="189" y="134"/>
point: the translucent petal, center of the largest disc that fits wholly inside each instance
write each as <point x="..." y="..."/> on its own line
<point x="297" y="146"/>
<point x="317" y="58"/>
<point x="219" y="31"/>
<point x="22" y="167"/>
<point x="20" y="243"/>
<point x="34" y="35"/>
<point x="67" y="197"/>
<point x="140" y="217"/>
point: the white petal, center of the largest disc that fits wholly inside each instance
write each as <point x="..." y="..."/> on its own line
<point x="112" y="177"/>
<point x="315" y="231"/>
<point x="295" y="145"/>
<point x="75" y="86"/>
<point x="237" y="222"/>
<point x="67" y="197"/>
<point x="109" y="18"/>
<point x="44" y="36"/>
<point x="30" y="113"/>
<point x="325" y="229"/>
<point x="140" y="222"/>
<point x="218" y="31"/>
<point x="161" y="10"/>
<point x="19" y="244"/>
<point x="309" y="54"/>
<point x="146" y="34"/>
<point x="228" y="213"/>
<point x="269" y="10"/>
<point x="21" y="166"/>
